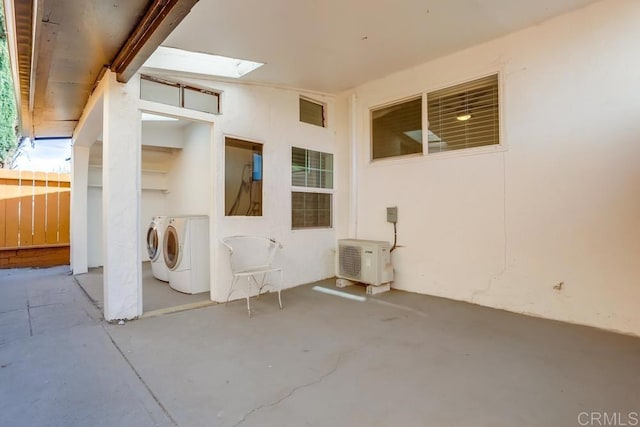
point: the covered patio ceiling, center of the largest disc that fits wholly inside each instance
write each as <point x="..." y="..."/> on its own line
<point x="333" y="45"/>
<point x="59" y="48"/>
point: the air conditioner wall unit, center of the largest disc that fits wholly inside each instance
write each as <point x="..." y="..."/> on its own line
<point x="364" y="261"/>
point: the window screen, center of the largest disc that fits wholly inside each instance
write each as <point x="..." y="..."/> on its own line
<point x="310" y="210"/>
<point x="396" y="130"/>
<point x="312" y="112"/>
<point x="464" y="116"/>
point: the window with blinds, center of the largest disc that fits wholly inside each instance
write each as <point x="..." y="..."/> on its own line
<point x="312" y="112"/>
<point x="464" y="116"/>
<point x="396" y="130"/>
<point x="310" y="210"/>
<point x="312" y="180"/>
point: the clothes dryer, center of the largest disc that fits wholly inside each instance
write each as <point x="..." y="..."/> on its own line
<point x="186" y="253"/>
<point x="155" y="236"/>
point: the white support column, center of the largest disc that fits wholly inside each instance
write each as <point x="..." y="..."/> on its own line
<point x="79" y="183"/>
<point x="121" y="200"/>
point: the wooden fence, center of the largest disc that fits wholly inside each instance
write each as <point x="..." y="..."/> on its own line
<point x="34" y="218"/>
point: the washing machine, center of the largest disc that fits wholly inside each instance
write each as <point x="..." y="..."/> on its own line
<point x="186" y="253"/>
<point x="155" y="236"/>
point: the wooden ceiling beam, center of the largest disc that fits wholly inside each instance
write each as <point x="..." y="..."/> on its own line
<point x="160" y="18"/>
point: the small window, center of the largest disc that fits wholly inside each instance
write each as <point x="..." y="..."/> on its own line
<point x="312" y="112"/>
<point x="200" y="100"/>
<point x="243" y="178"/>
<point x="162" y="93"/>
<point x="464" y="116"/>
<point x="396" y="130"/>
<point x="312" y="179"/>
<point x="179" y="95"/>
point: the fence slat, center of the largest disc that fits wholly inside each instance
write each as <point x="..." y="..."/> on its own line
<point x="34" y="209"/>
<point x="12" y="209"/>
<point x="26" y="209"/>
<point x="3" y="209"/>
<point x="52" y="217"/>
<point x="40" y="211"/>
<point x="64" y="213"/>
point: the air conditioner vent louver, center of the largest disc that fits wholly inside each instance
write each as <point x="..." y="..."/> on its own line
<point x="350" y="261"/>
<point x="364" y="261"/>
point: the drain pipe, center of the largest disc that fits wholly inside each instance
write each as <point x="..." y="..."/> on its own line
<point x="353" y="208"/>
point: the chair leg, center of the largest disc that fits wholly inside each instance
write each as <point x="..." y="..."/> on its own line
<point x="280" y="287"/>
<point x="259" y="285"/>
<point x="233" y="284"/>
<point x="248" y="294"/>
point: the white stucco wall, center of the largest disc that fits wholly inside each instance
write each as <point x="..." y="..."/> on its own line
<point x="152" y="202"/>
<point x="269" y="116"/>
<point x="94" y="226"/>
<point x="121" y="183"/>
<point x="560" y="202"/>
<point x="195" y="177"/>
<point x="188" y="179"/>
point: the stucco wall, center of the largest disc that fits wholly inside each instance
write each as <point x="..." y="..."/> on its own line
<point x="195" y="177"/>
<point x="558" y="204"/>
<point x="271" y="116"/>
<point x="94" y="226"/>
<point x="189" y="176"/>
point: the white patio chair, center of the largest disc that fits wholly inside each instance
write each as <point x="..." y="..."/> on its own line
<point x="252" y="256"/>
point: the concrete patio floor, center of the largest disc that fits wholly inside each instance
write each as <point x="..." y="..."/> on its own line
<point x="396" y="359"/>
<point x="157" y="296"/>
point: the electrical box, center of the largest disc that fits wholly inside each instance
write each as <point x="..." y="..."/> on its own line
<point x="392" y="214"/>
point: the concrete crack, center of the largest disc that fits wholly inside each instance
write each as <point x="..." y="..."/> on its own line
<point x="135" y="371"/>
<point x="29" y="317"/>
<point x="43" y="305"/>
<point x="297" y="388"/>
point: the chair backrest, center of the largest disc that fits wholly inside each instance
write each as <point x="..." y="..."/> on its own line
<point x="251" y="252"/>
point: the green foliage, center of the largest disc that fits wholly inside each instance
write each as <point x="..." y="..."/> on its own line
<point x="8" y="135"/>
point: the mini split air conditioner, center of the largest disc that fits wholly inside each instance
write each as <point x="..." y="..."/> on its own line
<point x="365" y="261"/>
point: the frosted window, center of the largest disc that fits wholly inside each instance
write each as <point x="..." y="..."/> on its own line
<point x="161" y="93"/>
<point x="199" y="100"/>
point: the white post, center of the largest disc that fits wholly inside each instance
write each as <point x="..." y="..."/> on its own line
<point x="79" y="183"/>
<point x="121" y="200"/>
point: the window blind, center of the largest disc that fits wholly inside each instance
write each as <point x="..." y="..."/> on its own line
<point x="311" y="112"/>
<point x="464" y="115"/>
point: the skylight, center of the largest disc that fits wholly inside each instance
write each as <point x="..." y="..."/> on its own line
<point x="172" y="59"/>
